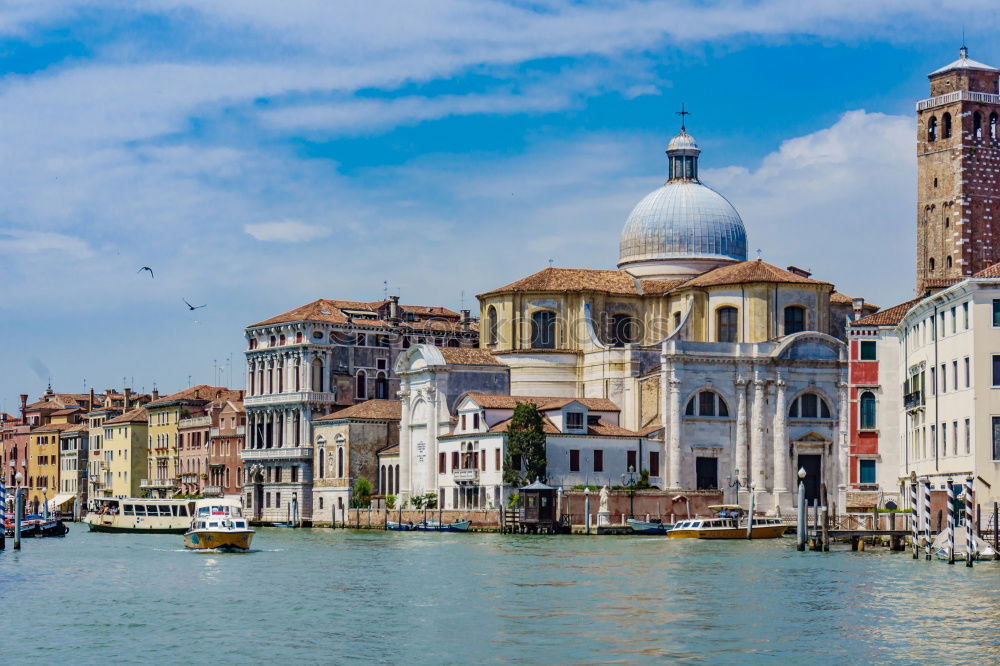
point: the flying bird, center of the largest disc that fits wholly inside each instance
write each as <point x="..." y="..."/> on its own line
<point x="146" y="268"/>
<point x="192" y="307"/>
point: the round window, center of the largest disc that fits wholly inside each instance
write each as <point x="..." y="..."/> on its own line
<point x="318" y="335"/>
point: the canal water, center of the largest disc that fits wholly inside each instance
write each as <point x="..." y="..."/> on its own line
<point x="323" y="596"/>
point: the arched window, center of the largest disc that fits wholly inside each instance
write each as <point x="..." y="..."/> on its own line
<point x="381" y="480"/>
<point x="271" y="341"/>
<point x="977" y="125"/>
<point x="298" y="378"/>
<point x="227" y="477"/>
<point x="727" y="323"/>
<point x="930" y="264"/>
<point x="809" y="406"/>
<point x="397" y="479"/>
<point x="795" y="319"/>
<point x="946" y="126"/>
<point x="706" y="403"/>
<point x="281" y="339"/>
<point x="251" y="387"/>
<point x="281" y="377"/>
<point x="932" y="129"/>
<point x="381" y="386"/>
<point x="322" y="463"/>
<point x="994" y="120"/>
<point x="340" y="462"/>
<point x="867" y="410"/>
<point x="624" y="330"/>
<point x="491" y="325"/>
<point x="543" y="330"/>
<point x="388" y="477"/>
<point x="452" y="342"/>
<point x="947" y="261"/>
<point x="361" y="385"/>
<point x="316" y="383"/>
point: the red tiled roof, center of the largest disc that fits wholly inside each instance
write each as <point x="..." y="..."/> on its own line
<point x="468" y="356"/>
<point x="389" y="451"/>
<point x="54" y="427"/>
<point x="59" y="401"/>
<point x="137" y="415"/>
<point x="749" y="271"/>
<point x="325" y="310"/>
<point x="544" y="403"/>
<point x="380" y="410"/>
<point x="548" y="427"/>
<point x="573" y="279"/>
<point x="888" y="317"/>
<point x="199" y="393"/>
<point x="988" y="272"/>
<point x="610" y="429"/>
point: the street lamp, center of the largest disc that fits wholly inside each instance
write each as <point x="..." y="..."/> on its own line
<point x="628" y="480"/>
<point x="801" y="520"/>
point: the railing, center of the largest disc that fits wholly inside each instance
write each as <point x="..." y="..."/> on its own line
<point x="284" y="398"/>
<point x="212" y="491"/>
<point x="465" y="475"/>
<point x="195" y="422"/>
<point x="283" y="453"/>
<point x="157" y="483"/>
<point x="958" y="95"/>
<point x="913" y="400"/>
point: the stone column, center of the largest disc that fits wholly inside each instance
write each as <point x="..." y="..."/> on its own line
<point x="741" y="464"/>
<point x="403" y="478"/>
<point x="249" y="377"/>
<point x="664" y="407"/>
<point x="757" y="459"/>
<point x="307" y="374"/>
<point x="840" y="445"/>
<point x="434" y="404"/>
<point x="675" y="431"/>
<point x="780" y="443"/>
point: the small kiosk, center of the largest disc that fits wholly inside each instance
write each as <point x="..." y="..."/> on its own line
<point x="538" y="506"/>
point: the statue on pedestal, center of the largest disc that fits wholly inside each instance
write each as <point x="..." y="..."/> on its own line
<point x="603" y="515"/>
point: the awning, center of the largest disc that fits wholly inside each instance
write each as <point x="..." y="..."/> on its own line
<point x="60" y="500"/>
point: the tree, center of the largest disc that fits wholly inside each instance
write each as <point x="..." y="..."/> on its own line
<point x="361" y="496"/>
<point x="430" y="501"/>
<point x="390" y="501"/>
<point x="525" y="443"/>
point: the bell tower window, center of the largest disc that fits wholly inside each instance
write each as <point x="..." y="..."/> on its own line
<point x="932" y="129"/>
<point x="946" y="126"/>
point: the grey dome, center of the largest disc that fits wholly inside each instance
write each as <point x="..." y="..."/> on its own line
<point x="683" y="141"/>
<point x="683" y="219"/>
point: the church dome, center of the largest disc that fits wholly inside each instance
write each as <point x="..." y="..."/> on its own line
<point x="684" y="227"/>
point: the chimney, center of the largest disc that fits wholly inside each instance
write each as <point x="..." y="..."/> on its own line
<point x="858" y="304"/>
<point x="155" y="395"/>
<point x="90" y="407"/>
<point x="465" y="321"/>
<point x="128" y="396"/>
<point x="241" y="395"/>
<point x="24" y="406"/>
<point x="394" y="308"/>
<point x="801" y="272"/>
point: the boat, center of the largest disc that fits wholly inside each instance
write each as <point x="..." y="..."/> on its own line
<point x="28" y="527"/>
<point x="653" y="526"/>
<point x="399" y="527"/>
<point x="50" y="528"/>
<point x="983" y="549"/>
<point x="435" y="526"/>
<point x="730" y="522"/>
<point x="218" y="524"/>
<point x="139" y="514"/>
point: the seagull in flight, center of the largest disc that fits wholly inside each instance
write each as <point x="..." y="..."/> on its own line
<point x="192" y="307"/>
<point x="146" y="268"/>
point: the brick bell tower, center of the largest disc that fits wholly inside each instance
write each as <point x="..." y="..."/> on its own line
<point x="958" y="173"/>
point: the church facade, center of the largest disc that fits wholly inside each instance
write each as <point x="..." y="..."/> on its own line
<point x="740" y="364"/>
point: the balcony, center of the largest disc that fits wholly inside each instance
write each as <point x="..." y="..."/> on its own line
<point x="241" y="430"/>
<point x="213" y="432"/>
<point x="297" y="397"/>
<point x="157" y="483"/>
<point x="956" y="96"/>
<point x="465" y="476"/>
<point x="212" y="491"/>
<point x="196" y="422"/>
<point x="284" y="453"/>
<point x="913" y="400"/>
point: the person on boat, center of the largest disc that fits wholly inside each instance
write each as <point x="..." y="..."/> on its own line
<point x="723" y="514"/>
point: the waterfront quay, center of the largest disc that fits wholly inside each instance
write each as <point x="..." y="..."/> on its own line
<point x="333" y="596"/>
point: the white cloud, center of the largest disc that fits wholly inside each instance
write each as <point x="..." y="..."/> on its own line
<point x="14" y="241"/>
<point x="286" y="231"/>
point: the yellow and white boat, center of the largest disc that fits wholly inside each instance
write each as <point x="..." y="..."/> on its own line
<point x="730" y="522"/>
<point x="218" y="524"/>
<point x="139" y="514"/>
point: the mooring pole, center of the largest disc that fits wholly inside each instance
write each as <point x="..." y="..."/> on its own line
<point x="3" y="513"/>
<point x="586" y="511"/>
<point x="750" y="516"/>
<point x="826" y="521"/>
<point x="970" y="540"/>
<point x="996" y="531"/>
<point x="951" y="522"/>
<point x="914" y="520"/>
<point x="800" y="531"/>
<point x="17" y="518"/>
<point x="926" y="484"/>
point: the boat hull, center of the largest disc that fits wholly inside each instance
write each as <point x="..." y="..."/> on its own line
<point x="759" y="532"/>
<point x="461" y="526"/>
<point x="642" y="527"/>
<point x="217" y="540"/>
<point x="110" y="527"/>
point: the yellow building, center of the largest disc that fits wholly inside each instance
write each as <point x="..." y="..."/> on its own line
<point x="124" y="452"/>
<point x="43" y="464"/>
<point x="98" y="473"/>
<point x="162" y="438"/>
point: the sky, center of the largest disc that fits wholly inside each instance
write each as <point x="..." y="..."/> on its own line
<point x="260" y="155"/>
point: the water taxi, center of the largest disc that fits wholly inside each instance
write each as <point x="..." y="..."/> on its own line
<point x="139" y="514"/>
<point x="730" y="523"/>
<point x="218" y="524"/>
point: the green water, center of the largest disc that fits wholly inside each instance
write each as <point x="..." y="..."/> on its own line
<point x="322" y="596"/>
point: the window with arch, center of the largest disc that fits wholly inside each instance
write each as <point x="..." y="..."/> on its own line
<point x="361" y="385"/>
<point x="543" y="330"/>
<point x="298" y="377"/>
<point x="706" y="403"/>
<point x="271" y="341"/>
<point x="795" y="319"/>
<point x="281" y="339"/>
<point x="727" y="324"/>
<point x="932" y="129"/>
<point x="381" y="386"/>
<point x="867" y="408"/>
<point x="281" y="378"/>
<point x="322" y="463"/>
<point x="340" y="462"/>
<point x="452" y="342"/>
<point x="491" y="325"/>
<point x="994" y="120"/>
<point x="977" y="125"/>
<point x="946" y="126"/>
<point x="316" y="382"/>
<point x="809" y="406"/>
<point x="930" y="264"/>
<point x="947" y="262"/>
<point x="624" y="330"/>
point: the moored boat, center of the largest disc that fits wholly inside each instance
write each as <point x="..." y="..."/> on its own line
<point x="398" y="527"/>
<point x="648" y="526"/>
<point x="730" y="522"/>
<point x="139" y="514"/>
<point x="218" y="524"/>
<point x="435" y="526"/>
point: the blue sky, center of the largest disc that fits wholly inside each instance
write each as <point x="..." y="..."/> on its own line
<point x="261" y="155"/>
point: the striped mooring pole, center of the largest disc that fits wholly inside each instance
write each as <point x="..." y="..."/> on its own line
<point x="914" y="520"/>
<point x="925" y="483"/>
<point x="951" y="522"/>
<point x="970" y="541"/>
<point x="3" y="513"/>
